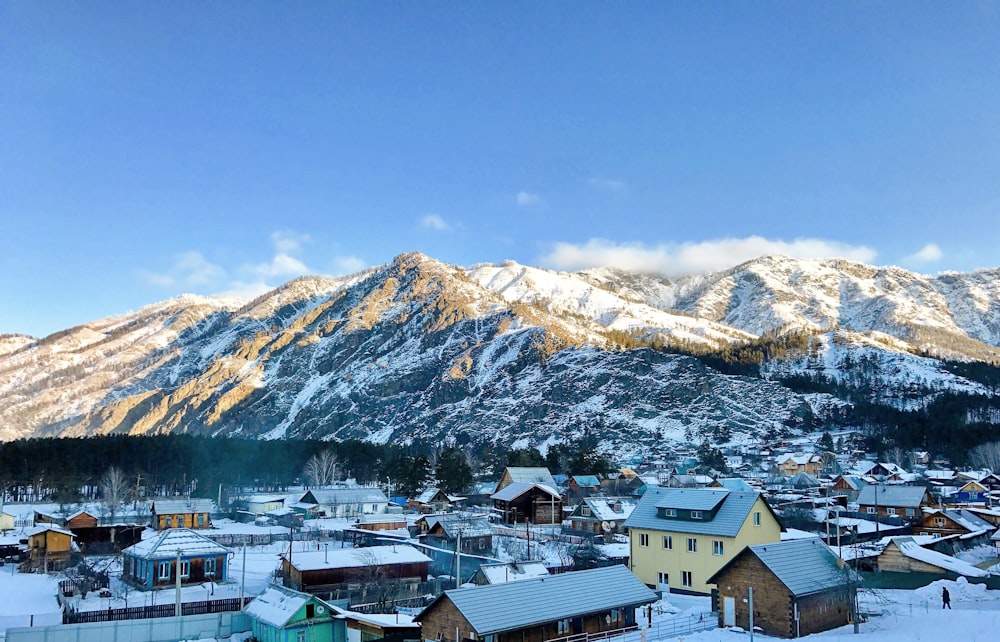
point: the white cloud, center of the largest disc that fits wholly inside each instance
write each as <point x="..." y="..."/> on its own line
<point x="434" y="222"/>
<point x="524" y="199"/>
<point x="281" y="265"/>
<point x="349" y="264"/>
<point x="246" y="291"/>
<point x="608" y="184"/>
<point x="929" y="253"/>
<point x="695" y="257"/>
<point x="188" y="270"/>
<point x="288" y="242"/>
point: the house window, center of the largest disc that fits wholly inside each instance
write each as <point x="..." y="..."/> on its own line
<point x="756" y="518"/>
<point x="616" y="615"/>
<point x="670" y="512"/>
<point x="168" y="521"/>
<point x="692" y="545"/>
<point x="585" y="511"/>
<point x="180" y="521"/>
<point x="310" y="610"/>
<point x="910" y="512"/>
<point x="186" y="568"/>
<point x="164" y="571"/>
<point x="717" y="547"/>
<point x="643" y="539"/>
<point x="210" y="566"/>
<point x="686" y="578"/>
<point x="891" y="510"/>
<point x="663" y="578"/>
<point x="939" y="521"/>
<point x="668" y="542"/>
<point x="300" y="636"/>
<point x="696" y="514"/>
<point x="870" y="510"/>
<point x="563" y="625"/>
<point x="201" y="519"/>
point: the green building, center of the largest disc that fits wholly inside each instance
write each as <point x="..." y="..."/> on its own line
<point x="283" y="615"/>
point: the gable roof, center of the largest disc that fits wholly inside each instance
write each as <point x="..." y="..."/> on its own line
<point x="603" y="509"/>
<point x="513" y="491"/>
<point x="278" y="605"/>
<point x="173" y="540"/>
<point x="183" y="506"/>
<point x="545" y="599"/>
<point x="512" y="571"/>
<point x="532" y="475"/>
<point x="728" y="519"/>
<point x="358" y="557"/>
<point x="804" y="566"/>
<point x="909" y="547"/>
<point x="586" y="481"/>
<point x="333" y="496"/>
<point x="38" y="530"/>
<point x="906" y="496"/>
<point x="734" y="483"/>
<point x="967" y="520"/>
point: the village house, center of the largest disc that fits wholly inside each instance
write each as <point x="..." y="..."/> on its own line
<point x="153" y="563"/>
<point x="328" y="571"/>
<point x="504" y="572"/>
<point x="393" y="627"/>
<point x="348" y="501"/>
<point x="261" y="504"/>
<point x="189" y="512"/>
<point x="601" y="515"/>
<point x="526" y="475"/>
<point x="431" y="500"/>
<point x="810" y="463"/>
<point x="444" y="531"/>
<point x="905" y="555"/>
<point x="799" y="587"/>
<point x="538" y="503"/>
<point x="280" y="614"/>
<point x="49" y="548"/>
<point x="545" y="608"/>
<point x="946" y="522"/>
<point x="904" y="502"/>
<point x="6" y="522"/>
<point x="679" y="537"/>
<point x="382" y="522"/>
<point x="580" y="486"/>
<point x="80" y="519"/>
<point x="847" y="485"/>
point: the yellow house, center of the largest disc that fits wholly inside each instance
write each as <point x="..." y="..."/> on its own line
<point x="680" y="537"/>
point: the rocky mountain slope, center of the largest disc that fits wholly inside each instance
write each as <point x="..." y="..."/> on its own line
<point x="420" y="351"/>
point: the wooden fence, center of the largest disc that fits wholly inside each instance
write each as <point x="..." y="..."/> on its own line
<point x="160" y="610"/>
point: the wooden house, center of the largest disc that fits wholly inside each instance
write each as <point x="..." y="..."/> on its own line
<point x="431" y="500"/>
<point x="182" y="513"/>
<point x="80" y="519"/>
<point x="810" y="463"/>
<point x="261" y="504"/>
<point x="382" y="522"/>
<point x="904" y="502"/>
<point x="6" y="522"/>
<point x="942" y="523"/>
<point x="526" y="475"/>
<point x="348" y="501"/>
<point x="904" y="555"/>
<point x="280" y="614"/>
<point x="362" y="627"/>
<point x="326" y="571"/>
<point x="579" y="487"/>
<point x="799" y="588"/>
<point x="848" y="485"/>
<point x="601" y="515"/>
<point x="679" y="537"/>
<point x="153" y="563"/>
<point x="523" y="501"/>
<point x="596" y="601"/>
<point x="49" y="548"/>
<point x="476" y="533"/>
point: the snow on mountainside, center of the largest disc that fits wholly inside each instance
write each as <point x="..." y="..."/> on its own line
<point x="419" y="350"/>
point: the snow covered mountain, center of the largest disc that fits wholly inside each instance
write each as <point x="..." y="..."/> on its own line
<point x="421" y="351"/>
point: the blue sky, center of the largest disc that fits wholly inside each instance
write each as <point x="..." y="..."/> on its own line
<point x="151" y="149"/>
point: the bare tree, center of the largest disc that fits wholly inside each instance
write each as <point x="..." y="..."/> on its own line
<point x="115" y="488"/>
<point x="986" y="456"/>
<point x="321" y="469"/>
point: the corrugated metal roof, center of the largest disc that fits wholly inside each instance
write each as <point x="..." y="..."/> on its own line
<point x="735" y="508"/>
<point x="185" y="506"/>
<point x="502" y="607"/>
<point x="803" y="565"/>
<point x="906" y="496"/>
<point x="515" y="490"/>
<point x="693" y="499"/>
<point x="173" y="540"/>
<point x="531" y="475"/>
<point x="357" y="557"/>
<point x="735" y="483"/>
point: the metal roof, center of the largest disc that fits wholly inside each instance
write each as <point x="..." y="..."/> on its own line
<point x="493" y="608"/>
<point x="727" y="522"/>
<point x="531" y="475"/>
<point x="905" y="496"/>
<point x="513" y="491"/>
<point x="167" y="544"/>
<point x="805" y="566"/>
<point x="692" y="499"/>
<point x="184" y="506"/>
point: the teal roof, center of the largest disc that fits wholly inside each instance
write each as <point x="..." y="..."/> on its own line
<point x="804" y="566"/>
<point x="735" y="483"/>
<point x="726" y="522"/>
<point x="493" y="608"/>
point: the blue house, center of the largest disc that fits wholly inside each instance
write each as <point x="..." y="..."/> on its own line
<point x="280" y="614"/>
<point x="152" y="563"/>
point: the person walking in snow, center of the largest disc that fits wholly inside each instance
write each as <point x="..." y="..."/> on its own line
<point x="945" y="598"/>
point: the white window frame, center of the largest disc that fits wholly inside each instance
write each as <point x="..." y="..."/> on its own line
<point x="670" y="512"/>
<point x="890" y="510"/>
<point x="163" y="572"/>
<point x="643" y="539"/>
<point x="696" y="514"/>
<point x="687" y="578"/>
<point x="563" y="625"/>
<point x="870" y="510"/>
<point x="209" y="566"/>
<point x="718" y="548"/>
<point x="185" y="568"/>
<point x="756" y="518"/>
<point x="668" y="542"/>
<point x="692" y="545"/>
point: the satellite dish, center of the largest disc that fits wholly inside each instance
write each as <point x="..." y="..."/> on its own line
<point x="606" y="527"/>
<point x="321" y="609"/>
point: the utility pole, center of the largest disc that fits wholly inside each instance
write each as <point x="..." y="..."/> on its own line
<point x="458" y="559"/>
<point x="243" y="572"/>
<point x="750" y="606"/>
<point x="177" y="584"/>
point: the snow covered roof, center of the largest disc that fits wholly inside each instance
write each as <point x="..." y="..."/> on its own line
<point x="905" y="496"/>
<point x="516" y="489"/>
<point x="964" y="518"/>
<point x="49" y="527"/>
<point x="334" y="496"/>
<point x="277" y="605"/>
<point x="532" y="475"/>
<point x="183" y="506"/>
<point x="167" y="544"/>
<point x="804" y="566"/>
<point x="586" y="481"/>
<point x="799" y="459"/>
<point x="908" y="547"/>
<point x="603" y="509"/>
<point x="735" y="483"/>
<point x="358" y="557"/>
<point x="512" y="571"/>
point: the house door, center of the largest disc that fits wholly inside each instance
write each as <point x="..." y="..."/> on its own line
<point x="577" y="625"/>
<point x="729" y="611"/>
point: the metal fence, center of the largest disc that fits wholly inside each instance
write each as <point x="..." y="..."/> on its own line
<point x="168" y="629"/>
<point x="664" y="630"/>
<point x="158" y="611"/>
